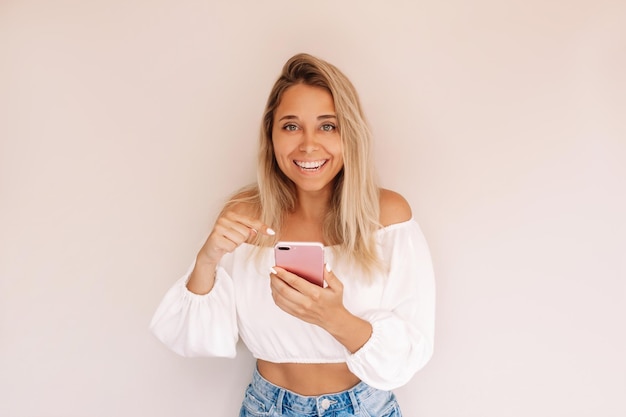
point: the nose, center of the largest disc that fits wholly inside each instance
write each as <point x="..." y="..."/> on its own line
<point x="308" y="143"/>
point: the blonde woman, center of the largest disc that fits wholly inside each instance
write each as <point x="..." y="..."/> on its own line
<point x="333" y="350"/>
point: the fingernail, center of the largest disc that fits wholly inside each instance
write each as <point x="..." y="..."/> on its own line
<point x="273" y="271"/>
<point x="270" y="232"/>
<point x="327" y="267"/>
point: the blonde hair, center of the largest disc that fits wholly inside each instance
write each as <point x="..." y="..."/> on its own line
<point x="353" y="215"/>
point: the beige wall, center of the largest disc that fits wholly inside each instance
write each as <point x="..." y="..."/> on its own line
<point x="124" y="125"/>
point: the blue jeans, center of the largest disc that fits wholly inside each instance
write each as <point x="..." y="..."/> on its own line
<point x="264" y="399"/>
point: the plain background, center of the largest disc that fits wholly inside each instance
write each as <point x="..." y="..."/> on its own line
<point x="124" y="126"/>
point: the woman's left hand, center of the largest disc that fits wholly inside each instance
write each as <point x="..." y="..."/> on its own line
<point x="307" y="301"/>
<point x="320" y="306"/>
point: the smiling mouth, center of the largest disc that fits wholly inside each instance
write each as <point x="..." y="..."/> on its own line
<point x="311" y="165"/>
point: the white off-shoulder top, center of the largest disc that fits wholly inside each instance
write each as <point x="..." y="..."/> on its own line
<point x="400" y="305"/>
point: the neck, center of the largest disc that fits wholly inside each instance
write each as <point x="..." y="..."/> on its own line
<point x="313" y="206"/>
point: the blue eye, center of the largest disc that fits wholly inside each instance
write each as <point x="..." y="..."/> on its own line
<point x="328" y="127"/>
<point x="290" y="127"/>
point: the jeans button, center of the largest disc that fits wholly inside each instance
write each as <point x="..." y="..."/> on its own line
<point x="325" y="403"/>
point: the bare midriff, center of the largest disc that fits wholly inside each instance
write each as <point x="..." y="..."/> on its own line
<point x="308" y="378"/>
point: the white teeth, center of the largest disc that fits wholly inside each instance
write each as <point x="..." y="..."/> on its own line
<point x="310" y="164"/>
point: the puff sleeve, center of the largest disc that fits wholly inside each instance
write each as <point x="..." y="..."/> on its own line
<point x="198" y="325"/>
<point x="403" y="324"/>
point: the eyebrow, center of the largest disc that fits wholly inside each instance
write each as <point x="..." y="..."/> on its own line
<point x="322" y="117"/>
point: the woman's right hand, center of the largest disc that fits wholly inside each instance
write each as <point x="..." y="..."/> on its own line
<point x="231" y="229"/>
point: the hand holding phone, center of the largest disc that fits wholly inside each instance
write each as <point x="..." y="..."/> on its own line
<point x="305" y="259"/>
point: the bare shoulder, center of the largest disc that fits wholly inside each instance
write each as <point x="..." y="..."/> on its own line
<point x="393" y="208"/>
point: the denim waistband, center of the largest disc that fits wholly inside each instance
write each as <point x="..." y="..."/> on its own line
<point x="311" y="405"/>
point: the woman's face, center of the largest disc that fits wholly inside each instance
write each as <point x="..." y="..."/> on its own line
<point x="307" y="145"/>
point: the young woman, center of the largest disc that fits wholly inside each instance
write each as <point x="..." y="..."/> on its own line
<point x="336" y="350"/>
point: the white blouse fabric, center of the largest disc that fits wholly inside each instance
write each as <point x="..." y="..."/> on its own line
<point x="400" y="305"/>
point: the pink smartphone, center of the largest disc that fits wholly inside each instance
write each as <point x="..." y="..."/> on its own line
<point x="305" y="259"/>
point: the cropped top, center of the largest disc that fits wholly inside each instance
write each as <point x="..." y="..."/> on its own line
<point x="399" y="303"/>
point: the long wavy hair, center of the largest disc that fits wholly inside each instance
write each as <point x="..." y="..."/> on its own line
<point x="353" y="214"/>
